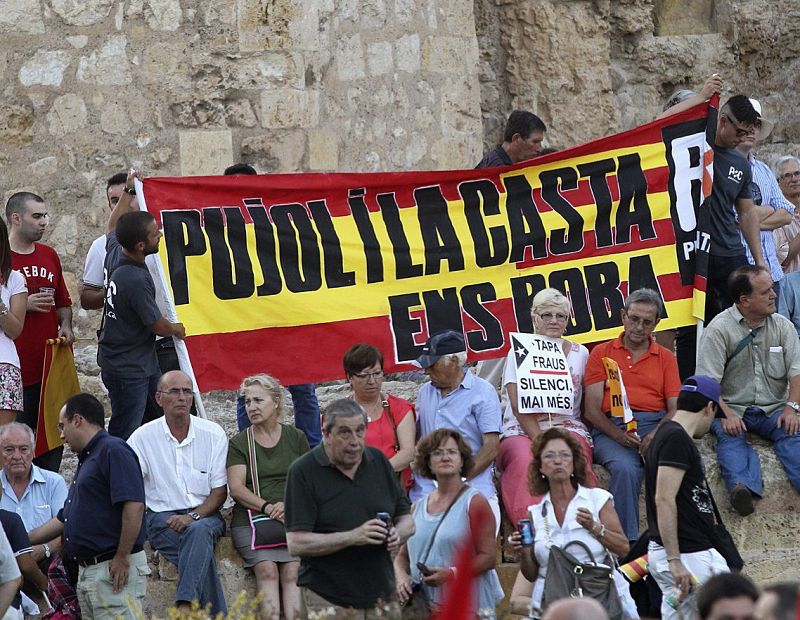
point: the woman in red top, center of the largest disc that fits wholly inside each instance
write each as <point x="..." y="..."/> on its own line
<point x="391" y="425"/>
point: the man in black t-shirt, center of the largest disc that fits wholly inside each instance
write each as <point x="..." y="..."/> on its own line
<point x="679" y="510"/>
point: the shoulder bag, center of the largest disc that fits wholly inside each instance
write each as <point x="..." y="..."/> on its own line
<point x="267" y="533"/>
<point x="569" y="578"/>
<point x="721" y="538"/>
<point x="417" y="606"/>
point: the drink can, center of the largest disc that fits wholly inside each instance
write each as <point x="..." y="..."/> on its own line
<point x="673" y="599"/>
<point x="525" y="531"/>
<point x="385" y="517"/>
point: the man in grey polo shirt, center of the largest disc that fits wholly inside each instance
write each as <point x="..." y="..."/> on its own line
<point x="755" y="355"/>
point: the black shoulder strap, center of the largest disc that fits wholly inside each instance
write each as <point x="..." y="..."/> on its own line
<point x="743" y="343"/>
<point x="424" y="556"/>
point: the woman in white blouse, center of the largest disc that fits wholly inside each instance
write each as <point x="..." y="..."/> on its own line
<point x="13" y="302"/>
<point x="569" y="511"/>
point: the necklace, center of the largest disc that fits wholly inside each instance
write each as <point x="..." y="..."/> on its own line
<point x="373" y="410"/>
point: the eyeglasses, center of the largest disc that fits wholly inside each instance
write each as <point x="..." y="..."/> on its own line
<point x="175" y="392"/>
<point x="564" y="455"/>
<point x="789" y="175"/>
<point x="742" y="132"/>
<point x="637" y="320"/>
<point x="366" y="376"/>
<point x="440" y="453"/>
<point x="549" y="316"/>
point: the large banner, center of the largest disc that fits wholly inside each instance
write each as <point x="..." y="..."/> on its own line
<point x="282" y="273"/>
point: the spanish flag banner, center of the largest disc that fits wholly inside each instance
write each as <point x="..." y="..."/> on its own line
<point x="282" y="273"/>
<point x="59" y="382"/>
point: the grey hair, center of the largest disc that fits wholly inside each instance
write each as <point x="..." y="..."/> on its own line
<point x="784" y="159"/>
<point x="270" y="385"/>
<point x="677" y="97"/>
<point x="342" y="408"/>
<point x="461" y="358"/>
<point x="550" y="297"/>
<point x="645" y="296"/>
<point x="5" y="428"/>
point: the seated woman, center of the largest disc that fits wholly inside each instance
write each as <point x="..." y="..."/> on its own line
<point x="568" y="511"/>
<point x="275" y="447"/>
<point x="390" y="420"/>
<point x="550" y="312"/>
<point x="444" y="519"/>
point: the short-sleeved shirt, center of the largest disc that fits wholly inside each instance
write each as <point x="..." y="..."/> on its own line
<point x="495" y="158"/>
<point x="272" y="466"/>
<point x="759" y="374"/>
<point x="41" y="268"/>
<point x="732" y="178"/>
<point x="473" y="409"/>
<point x="108" y="475"/>
<point x="126" y="344"/>
<point x="19" y="541"/>
<point x="321" y="499"/>
<point x="43" y="497"/>
<point x="649" y="382"/>
<point x="180" y="475"/>
<point x="783" y="237"/>
<point x="672" y="447"/>
<point x="14" y="286"/>
<point x="8" y="563"/>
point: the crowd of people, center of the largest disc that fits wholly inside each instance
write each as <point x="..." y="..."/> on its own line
<point x="370" y="507"/>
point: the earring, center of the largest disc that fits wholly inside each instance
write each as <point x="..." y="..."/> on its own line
<point x="543" y="476"/>
<point x="572" y="475"/>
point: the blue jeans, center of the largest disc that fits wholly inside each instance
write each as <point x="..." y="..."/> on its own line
<point x="739" y="462"/>
<point x="193" y="552"/>
<point x="625" y="466"/>
<point x="306" y="412"/>
<point x="132" y="400"/>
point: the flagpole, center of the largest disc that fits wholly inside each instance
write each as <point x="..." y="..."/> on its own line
<point x="172" y="316"/>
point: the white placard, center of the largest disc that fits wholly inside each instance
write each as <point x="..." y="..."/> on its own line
<point x="544" y="382"/>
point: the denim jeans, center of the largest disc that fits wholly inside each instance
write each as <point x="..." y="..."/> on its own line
<point x="739" y="462"/>
<point x="625" y="466"/>
<point x="132" y="400"/>
<point x="192" y="551"/>
<point x="306" y="412"/>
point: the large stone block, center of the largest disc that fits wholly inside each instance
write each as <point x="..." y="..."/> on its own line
<point x="205" y="152"/>
<point x="407" y="53"/>
<point x="284" y="108"/>
<point x="67" y="114"/>
<point x="278" y="25"/>
<point x="323" y="151"/>
<point x="82" y="12"/>
<point x="46" y="68"/>
<point x="279" y="151"/>
<point x="21" y="16"/>
<point x="108" y="66"/>
<point x="350" y="62"/>
<point x="163" y="14"/>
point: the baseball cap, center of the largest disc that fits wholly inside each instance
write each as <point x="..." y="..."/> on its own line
<point x="441" y="343"/>
<point x="766" y="124"/>
<point x="705" y="386"/>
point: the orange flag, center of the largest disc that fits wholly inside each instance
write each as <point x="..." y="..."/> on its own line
<point x="59" y="382"/>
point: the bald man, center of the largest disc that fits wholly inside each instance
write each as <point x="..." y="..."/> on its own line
<point x="575" y="609"/>
<point x="183" y="464"/>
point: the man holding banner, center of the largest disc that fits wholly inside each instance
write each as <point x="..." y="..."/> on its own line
<point x="631" y="386"/>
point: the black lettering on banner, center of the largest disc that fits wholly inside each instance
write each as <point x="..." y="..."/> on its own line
<point x="491" y="244"/>
<point x="633" y="193"/>
<point x="335" y="276"/>
<point x="443" y="310"/>
<point x="524" y="220"/>
<point x="438" y="234"/>
<point x="642" y="275"/>
<point x="472" y="298"/>
<point x="605" y="298"/>
<point x="300" y="265"/>
<point x="404" y="326"/>
<point x="265" y="248"/>
<point x="404" y="266"/>
<point x="562" y="240"/>
<point x="230" y="281"/>
<point x="372" y="249"/>
<point x="183" y="236"/>
<point x="598" y="182"/>
<point x="523" y="290"/>
<point x="571" y="282"/>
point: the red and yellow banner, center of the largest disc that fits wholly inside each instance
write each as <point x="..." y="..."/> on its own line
<point x="282" y="273"/>
<point x="59" y="382"/>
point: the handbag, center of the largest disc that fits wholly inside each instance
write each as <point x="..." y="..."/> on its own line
<point x="417" y="606"/>
<point x="721" y="538"/>
<point x="267" y="533"/>
<point x="567" y="577"/>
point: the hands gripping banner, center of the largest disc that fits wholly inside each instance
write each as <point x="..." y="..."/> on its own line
<point x="282" y="273"/>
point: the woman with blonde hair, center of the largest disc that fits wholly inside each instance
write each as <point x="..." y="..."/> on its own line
<point x="259" y="458"/>
<point x="550" y="314"/>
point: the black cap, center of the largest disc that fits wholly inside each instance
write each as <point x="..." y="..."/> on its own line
<point x="441" y="343"/>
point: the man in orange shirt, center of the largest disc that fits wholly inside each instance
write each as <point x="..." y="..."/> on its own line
<point x="650" y="376"/>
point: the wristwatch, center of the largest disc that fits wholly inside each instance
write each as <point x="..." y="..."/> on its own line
<point x="194" y="516"/>
<point x="793" y="405"/>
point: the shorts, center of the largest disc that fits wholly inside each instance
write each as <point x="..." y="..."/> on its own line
<point x="10" y="388"/>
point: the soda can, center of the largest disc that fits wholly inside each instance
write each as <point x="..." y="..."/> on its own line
<point x="385" y="517"/>
<point x="673" y="599"/>
<point x="525" y="530"/>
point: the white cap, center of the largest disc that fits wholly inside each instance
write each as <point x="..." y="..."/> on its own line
<point x="766" y="124"/>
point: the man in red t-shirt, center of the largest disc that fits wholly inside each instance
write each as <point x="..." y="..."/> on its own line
<point x="49" y="305"/>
